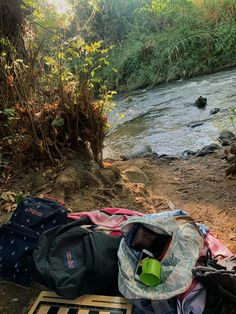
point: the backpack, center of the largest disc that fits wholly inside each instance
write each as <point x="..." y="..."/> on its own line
<point x="16" y="243"/>
<point x="73" y="261"/>
<point x="219" y="278"/>
<point x="20" y="235"/>
<point x="39" y="214"/>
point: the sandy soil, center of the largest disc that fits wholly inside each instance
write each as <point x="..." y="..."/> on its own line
<point x="197" y="185"/>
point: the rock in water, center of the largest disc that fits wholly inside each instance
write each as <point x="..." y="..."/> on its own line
<point x="137" y="152"/>
<point x="128" y="98"/>
<point x="194" y="124"/>
<point x="187" y="153"/>
<point x="201" y="102"/>
<point x="214" y="111"/>
<point x="209" y="149"/>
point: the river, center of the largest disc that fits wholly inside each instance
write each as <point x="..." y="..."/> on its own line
<point x="159" y="117"/>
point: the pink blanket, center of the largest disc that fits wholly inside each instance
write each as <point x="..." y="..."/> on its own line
<point x="107" y="219"/>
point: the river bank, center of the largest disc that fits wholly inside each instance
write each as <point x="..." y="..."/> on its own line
<point x="166" y="119"/>
<point x="197" y="185"/>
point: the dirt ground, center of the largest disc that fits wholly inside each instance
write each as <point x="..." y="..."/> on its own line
<point x="197" y="185"/>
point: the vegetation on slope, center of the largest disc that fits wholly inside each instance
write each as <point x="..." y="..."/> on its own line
<point x="162" y="40"/>
<point x="58" y="69"/>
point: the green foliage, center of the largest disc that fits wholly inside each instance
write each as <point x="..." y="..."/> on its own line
<point x="109" y="20"/>
<point x="56" y="123"/>
<point x="232" y="117"/>
<point x="57" y="98"/>
<point x="166" y="40"/>
<point x="9" y="112"/>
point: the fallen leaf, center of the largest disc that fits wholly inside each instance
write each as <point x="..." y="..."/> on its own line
<point x="9" y="207"/>
<point x="10" y="80"/>
<point x="8" y="196"/>
<point x="232" y="236"/>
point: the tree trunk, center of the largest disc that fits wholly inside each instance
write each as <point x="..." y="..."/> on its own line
<point x="12" y="16"/>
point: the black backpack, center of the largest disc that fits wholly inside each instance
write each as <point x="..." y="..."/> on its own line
<point x="19" y="237"/>
<point x="73" y="261"/>
<point x="219" y="279"/>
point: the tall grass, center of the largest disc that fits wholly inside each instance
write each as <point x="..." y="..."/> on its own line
<point x="175" y="39"/>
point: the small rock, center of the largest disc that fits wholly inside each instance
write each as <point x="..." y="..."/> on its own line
<point x="226" y="137"/>
<point x="201" y="102"/>
<point x="230" y="156"/>
<point x="136" y="175"/>
<point x="209" y="149"/>
<point x="66" y="184"/>
<point x="232" y="149"/>
<point x="231" y="170"/>
<point x="187" y="153"/>
<point x="37" y="181"/>
<point x="128" y="98"/>
<point x="194" y="124"/>
<point x="108" y="175"/>
<point x="88" y="179"/>
<point x="167" y="157"/>
<point x="214" y="111"/>
<point x="137" y="152"/>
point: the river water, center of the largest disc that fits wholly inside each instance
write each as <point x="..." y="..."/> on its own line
<point x="160" y="117"/>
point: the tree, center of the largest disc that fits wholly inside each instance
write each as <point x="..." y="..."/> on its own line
<point x="12" y="21"/>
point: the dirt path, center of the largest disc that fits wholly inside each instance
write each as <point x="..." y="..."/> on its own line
<point x="197" y="185"/>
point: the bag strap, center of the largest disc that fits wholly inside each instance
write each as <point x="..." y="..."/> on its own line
<point x="69" y="226"/>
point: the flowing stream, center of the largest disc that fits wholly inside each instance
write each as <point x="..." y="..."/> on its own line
<point x="160" y="117"/>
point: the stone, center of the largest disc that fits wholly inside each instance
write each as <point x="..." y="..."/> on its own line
<point x="226" y="137"/>
<point x="66" y="184"/>
<point x="88" y="179"/>
<point x="136" y="175"/>
<point x="137" y="152"/>
<point x="201" y="102"/>
<point x="214" y="111"/>
<point x="209" y="149"/>
<point x="38" y="181"/>
<point x="129" y="99"/>
<point x="187" y="153"/>
<point x="167" y="158"/>
<point x="194" y="124"/>
<point x="109" y="175"/>
<point x="231" y="170"/>
<point x="232" y="149"/>
<point x="230" y="157"/>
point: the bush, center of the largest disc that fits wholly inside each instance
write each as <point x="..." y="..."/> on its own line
<point x="179" y="39"/>
<point x="47" y="107"/>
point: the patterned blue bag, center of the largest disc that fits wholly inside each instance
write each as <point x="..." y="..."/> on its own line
<point x="16" y="243"/>
<point x="19" y="237"/>
<point x="40" y="214"/>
